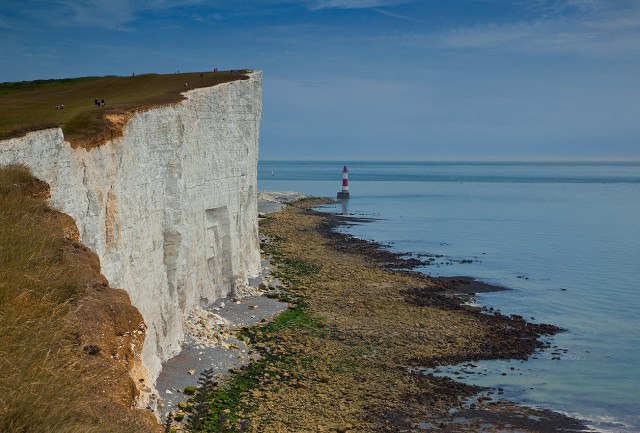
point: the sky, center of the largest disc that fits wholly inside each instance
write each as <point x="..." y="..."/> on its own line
<point x="371" y="79"/>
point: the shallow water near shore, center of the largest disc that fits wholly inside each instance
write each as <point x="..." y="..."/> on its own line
<point x="565" y="237"/>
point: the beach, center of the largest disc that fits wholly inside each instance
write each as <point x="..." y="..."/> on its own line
<point x="355" y="363"/>
<point x="561" y="237"/>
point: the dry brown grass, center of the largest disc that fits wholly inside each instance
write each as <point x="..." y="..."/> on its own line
<point x="47" y="383"/>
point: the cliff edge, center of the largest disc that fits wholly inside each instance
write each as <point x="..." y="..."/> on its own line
<point x="68" y="342"/>
<point x="169" y="207"/>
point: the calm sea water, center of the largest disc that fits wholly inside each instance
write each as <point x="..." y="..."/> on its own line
<point x="565" y="237"/>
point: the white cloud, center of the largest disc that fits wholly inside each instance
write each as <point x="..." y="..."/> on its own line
<point x="100" y="13"/>
<point x="111" y="14"/>
<point x="585" y="27"/>
<point x="395" y="15"/>
<point x="354" y="4"/>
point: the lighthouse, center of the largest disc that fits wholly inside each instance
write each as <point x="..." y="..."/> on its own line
<point x="345" y="184"/>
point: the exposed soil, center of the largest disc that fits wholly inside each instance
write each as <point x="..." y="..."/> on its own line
<point x="106" y="329"/>
<point x="356" y="370"/>
<point x="109" y="333"/>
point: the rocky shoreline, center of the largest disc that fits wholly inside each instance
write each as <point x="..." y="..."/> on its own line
<point x="371" y="325"/>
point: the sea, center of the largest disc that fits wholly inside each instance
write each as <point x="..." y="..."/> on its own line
<point x="562" y="237"/>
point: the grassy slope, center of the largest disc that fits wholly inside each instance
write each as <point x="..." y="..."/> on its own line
<point x="27" y="106"/>
<point x="48" y="381"/>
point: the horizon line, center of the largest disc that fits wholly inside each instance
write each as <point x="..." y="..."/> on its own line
<point x="592" y="159"/>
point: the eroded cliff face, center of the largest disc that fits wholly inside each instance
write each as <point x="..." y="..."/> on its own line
<point x="169" y="207"/>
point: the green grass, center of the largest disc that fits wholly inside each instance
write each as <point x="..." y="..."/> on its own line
<point x="30" y="105"/>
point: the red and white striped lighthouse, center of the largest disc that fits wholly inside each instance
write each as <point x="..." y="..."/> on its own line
<point x="345" y="184"/>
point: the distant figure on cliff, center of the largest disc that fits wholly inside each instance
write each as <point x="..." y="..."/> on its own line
<point x="186" y="84"/>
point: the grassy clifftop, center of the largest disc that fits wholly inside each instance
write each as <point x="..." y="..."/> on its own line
<point x="31" y="105"/>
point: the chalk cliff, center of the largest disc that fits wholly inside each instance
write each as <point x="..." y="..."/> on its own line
<point x="169" y="207"/>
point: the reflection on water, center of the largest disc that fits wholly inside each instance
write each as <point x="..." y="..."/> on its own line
<point x="345" y="206"/>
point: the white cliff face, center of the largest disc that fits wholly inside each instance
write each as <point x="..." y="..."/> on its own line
<point x="170" y="208"/>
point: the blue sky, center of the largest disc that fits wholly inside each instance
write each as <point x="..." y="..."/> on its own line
<point x="393" y="79"/>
